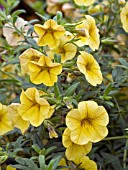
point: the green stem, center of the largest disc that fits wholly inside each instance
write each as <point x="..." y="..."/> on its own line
<point x="125" y="154"/>
<point x="114" y="138"/>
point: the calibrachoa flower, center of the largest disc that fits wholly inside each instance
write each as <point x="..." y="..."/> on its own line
<point x="10" y="68"/>
<point x="88" y="33"/>
<point x="73" y="148"/>
<point x="13" y="37"/>
<point x="16" y="119"/>
<point x="84" y="2"/>
<point x="5" y="123"/>
<point x="10" y="168"/>
<point x="27" y="56"/>
<point x="53" y="6"/>
<point x="63" y="163"/>
<point x="49" y="33"/>
<point x="85" y="163"/>
<point x="90" y="68"/>
<point x="44" y="71"/>
<point x="33" y="108"/>
<point x="87" y="123"/>
<point x="124" y="17"/>
<point x="65" y="49"/>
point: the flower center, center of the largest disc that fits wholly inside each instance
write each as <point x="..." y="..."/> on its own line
<point x="85" y="122"/>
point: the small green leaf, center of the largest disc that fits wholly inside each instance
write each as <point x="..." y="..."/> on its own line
<point x="70" y="91"/>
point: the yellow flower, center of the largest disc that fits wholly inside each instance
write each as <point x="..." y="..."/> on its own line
<point x="16" y="119"/>
<point x="10" y="168"/>
<point x="26" y="57"/>
<point x="5" y="123"/>
<point x="85" y="163"/>
<point x="87" y="123"/>
<point x="66" y="50"/>
<point x="88" y="33"/>
<point x="10" y="68"/>
<point x="44" y="71"/>
<point x="49" y="33"/>
<point x="33" y="108"/>
<point x="73" y="148"/>
<point x="63" y="163"/>
<point x="124" y="17"/>
<point x="84" y="2"/>
<point x="90" y="68"/>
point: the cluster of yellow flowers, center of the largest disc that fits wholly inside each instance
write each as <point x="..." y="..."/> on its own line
<point x="33" y="110"/>
<point x="85" y="125"/>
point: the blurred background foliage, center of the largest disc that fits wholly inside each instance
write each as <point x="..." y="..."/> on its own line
<point x="34" y="145"/>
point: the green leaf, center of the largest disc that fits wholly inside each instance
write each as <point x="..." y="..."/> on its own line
<point x="50" y="150"/>
<point x="36" y="148"/>
<point x="70" y="91"/>
<point x="56" y="90"/>
<point x="17" y="12"/>
<point x="50" y="165"/>
<point x="108" y="89"/>
<point x="41" y="16"/>
<point x="42" y="162"/>
<point x="123" y="62"/>
<point x="18" y="142"/>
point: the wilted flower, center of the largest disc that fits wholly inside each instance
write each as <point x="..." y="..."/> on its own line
<point x="88" y="33"/>
<point x="90" y="68"/>
<point x="44" y="71"/>
<point x="49" y="33"/>
<point x="85" y="163"/>
<point x="52" y="132"/>
<point x="84" y="2"/>
<point x="16" y="119"/>
<point x="73" y="148"/>
<point x="33" y="108"/>
<point x="13" y="37"/>
<point x="65" y="49"/>
<point x="87" y="123"/>
<point x="5" y="122"/>
<point x="124" y="17"/>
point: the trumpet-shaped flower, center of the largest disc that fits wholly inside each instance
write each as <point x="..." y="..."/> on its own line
<point x="9" y="69"/>
<point x="10" y="168"/>
<point x="84" y="2"/>
<point x="5" y="122"/>
<point x="65" y="49"/>
<point x="87" y="123"/>
<point x="85" y="163"/>
<point x="73" y="148"/>
<point x="90" y="68"/>
<point x="12" y="37"/>
<point x="16" y="119"/>
<point x="33" y="108"/>
<point x="88" y="33"/>
<point x="124" y="17"/>
<point x="49" y="33"/>
<point x="63" y="163"/>
<point x="27" y="56"/>
<point x="44" y="71"/>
